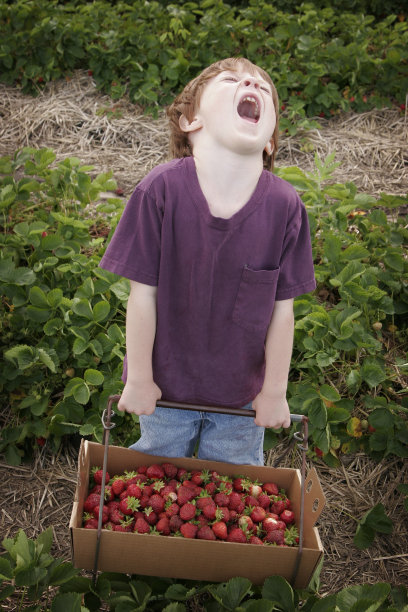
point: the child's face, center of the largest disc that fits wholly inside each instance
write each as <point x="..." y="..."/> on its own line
<point x="236" y="110"/>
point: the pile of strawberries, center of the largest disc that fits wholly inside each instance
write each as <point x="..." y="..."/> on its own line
<point x="167" y="500"/>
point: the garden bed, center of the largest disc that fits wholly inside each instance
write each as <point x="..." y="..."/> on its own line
<point x="73" y="119"/>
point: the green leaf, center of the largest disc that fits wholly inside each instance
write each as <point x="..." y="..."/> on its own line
<point x="378" y="520"/>
<point x="66" y="601"/>
<point x="44" y="540"/>
<point x="47" y="359"/>
<point x="381" y="419"/>
<point x="101" y="311"/>
<point x="121" y="289"/>
<point x="141" y="593"/>
<point x="336" y="414"/>
<point x="6" y="571"/>
<point x="53" y="326"/>
<point x="82" y="308"/>
<point x="30" y="576"/>
<point x="38" y="298"/>
<point x="372" y="372"/>
<point x="79" y="346"/>
<point x="364" y="536"/>
<point x="93" y="377"/>
<point x="54" y="297"/>
<point x="278" y="590"/>
<point x="6" y="592"/>
<point x="328" y="393"/>
<point x="349" y="596"/>
<point x="394" y="260"/>
<point x="22" y="355"/>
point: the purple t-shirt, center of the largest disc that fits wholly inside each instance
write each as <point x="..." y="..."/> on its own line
<point x="217" y="279"/>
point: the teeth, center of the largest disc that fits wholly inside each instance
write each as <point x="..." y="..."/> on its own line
<point x="250" y="99"/>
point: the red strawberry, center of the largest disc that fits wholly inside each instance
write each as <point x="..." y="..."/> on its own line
<point x="245" y="522"/>
<point x="264" y="501"/>
<point x="211" y="488"/>
<point x="258" y="514"/>
<point x="220" y="530"/>
<point x="236" y="535"/>
<point x="255" y="490"/>
<point x="291" y="536"/>
<point x="91" y="501"/>
<point x="287" y="516"/>
<point x="200" y="478"/>
<point x="275" y="537"/>
<point x="98" y="476"/>
<point x="270" y="488"/>
<point x="203" y="500"/>
<point x="222" y="499"/>
<point x="105" y="513"/>
<point x="134" y="490"/>
<point x="109" y="526"/>
<point x="151" y="516"/>
<point x="170" y="469"/>
<point x="91" y="523"/>
<point x="163" y="526"/>
<point x="209" y="511"/>
<point x="175" y="523"/>
<point x="278" y="506"/>
<point x="157" y="503"/>
<point x="201" y="520"/>
<point x="223" y="513"/>
<point x="184" y="495"/>
<point x="118" y="485"/>
<point x="239" y="484"/>
<point x="236" y="502"/>
<point x="148" y="490"/>
<point x="189" y="530"/>
<point x="129" y="505"/>
<point x="182" y="474"/>
<point x="144" y="501"/>
<point x="141" y="526"/>
<point x="116" y="516"/>
<point x="251" y="501"/>
<point x="155" y="472"/>
<point x="206" y="533"/>
<point x="142" y="469"/>
<point x="109" y="494"/>
<point x="187" y="511"/>
<point x="172" y="509"/>
<point x="255" y="540"/>
<point x="270" y="524"/>
<point x="168" y="492"/>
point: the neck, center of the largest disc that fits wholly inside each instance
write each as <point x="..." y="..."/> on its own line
<point x="227" y="180"/>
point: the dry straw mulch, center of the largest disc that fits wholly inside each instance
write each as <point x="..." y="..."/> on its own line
<point x="74" y="119"/>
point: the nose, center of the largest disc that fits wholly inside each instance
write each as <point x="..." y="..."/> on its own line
<point x="251" y="81"/>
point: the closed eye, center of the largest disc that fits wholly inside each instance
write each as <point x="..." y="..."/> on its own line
<point x="268" y="91"/>
<point x="230" y="78"/>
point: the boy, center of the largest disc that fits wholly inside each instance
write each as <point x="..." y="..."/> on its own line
<point x="216" y="248"/>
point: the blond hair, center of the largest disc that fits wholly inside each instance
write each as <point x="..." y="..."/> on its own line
<point x="187" y="102"/>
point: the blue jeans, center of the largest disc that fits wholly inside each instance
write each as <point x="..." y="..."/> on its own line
<point x="170" y="432"/>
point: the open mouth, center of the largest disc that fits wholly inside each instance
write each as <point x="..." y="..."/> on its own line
<point x="248" y="108"/>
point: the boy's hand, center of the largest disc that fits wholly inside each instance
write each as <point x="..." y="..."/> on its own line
<point x="271" y="411"/>
<point x="139" y="398"/>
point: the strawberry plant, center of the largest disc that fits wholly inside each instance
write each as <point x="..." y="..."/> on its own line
<point x="149" y="51"/>
<point x="63" y="317"/>
<point x="30" y="575"/>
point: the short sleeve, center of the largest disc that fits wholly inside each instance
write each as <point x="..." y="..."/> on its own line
<point x="296" y="274"/>
<point x="134" y="251"/>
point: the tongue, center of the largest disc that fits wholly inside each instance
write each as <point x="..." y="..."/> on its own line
<point x="246" y="110"/>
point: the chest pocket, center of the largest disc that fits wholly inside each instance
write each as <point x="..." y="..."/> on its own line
<point x="255" y="299"/>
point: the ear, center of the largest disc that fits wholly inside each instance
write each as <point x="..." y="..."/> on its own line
<point x="269" y="147"/>
<point x="189" y="126"/>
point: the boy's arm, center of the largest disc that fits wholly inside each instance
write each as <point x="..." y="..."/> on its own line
<point x="140" y="393"/>
<point x="270" y="404"/>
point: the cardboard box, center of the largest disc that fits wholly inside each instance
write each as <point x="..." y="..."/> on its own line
<point x="213" y="561"/>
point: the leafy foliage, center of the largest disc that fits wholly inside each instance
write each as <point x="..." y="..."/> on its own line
<point x="27" y="569"/>
<point x="63" y="338"/>
<point x="322" y="60"/>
